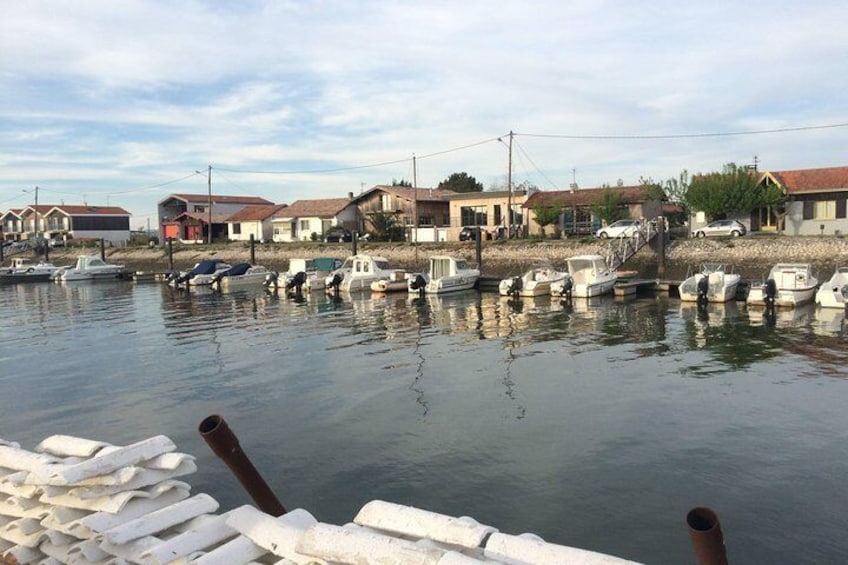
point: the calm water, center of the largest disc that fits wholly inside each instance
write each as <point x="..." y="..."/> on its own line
<point x="597" y="425"/>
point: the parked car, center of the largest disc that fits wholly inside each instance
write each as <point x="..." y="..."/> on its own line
<point x="721" y="227"/>
<point x="621" y="228"/>
<point x="338" y="235"/>
<point x="469" y="233"/>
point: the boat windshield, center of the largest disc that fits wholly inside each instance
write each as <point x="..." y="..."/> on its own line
<point x="382" y="265"/>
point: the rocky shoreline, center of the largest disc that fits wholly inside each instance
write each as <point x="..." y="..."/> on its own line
<point x="752" y="256"/>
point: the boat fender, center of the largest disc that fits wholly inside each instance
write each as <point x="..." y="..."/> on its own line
<point x="703" y="287"/>
<point x="30" y="270"/>
<point x="770" y="291"/>
<point x="844" y="292"/>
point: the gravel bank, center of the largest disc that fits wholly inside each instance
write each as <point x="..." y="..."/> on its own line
<point x="751" y="255"/>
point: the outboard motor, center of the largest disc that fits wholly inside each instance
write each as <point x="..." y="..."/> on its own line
<point x="418" y="283"/>
<point x="703" y="288"/>
<point x="336" y="282"/>
<point x="769" y="292"/>
<point x="296" y="283"/>
<point x="216" y="278"/>
<point x="515" y="286"/>
<point x="271" y="279"/>
<point x="567" y="288"/>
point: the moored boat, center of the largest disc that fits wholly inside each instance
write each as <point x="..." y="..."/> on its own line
<point x="445" y="274"/>
<point x="590" y="276"/>
<point x="535" y="282"/>
<point x="364" y="269"/>
<point x="787" y="284"/>
<point x="305" y="274"/>
<point x="833" y="293"/>
<point x="88" y="267"/>
<point x="240" y="274"/>
<point x="395" y="282"/>
<point x="201" y="274"/>
<point x="714" y="282"/>
<point x="22" y="269"/>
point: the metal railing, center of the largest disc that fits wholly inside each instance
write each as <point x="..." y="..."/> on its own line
<point x="623" y="248"/>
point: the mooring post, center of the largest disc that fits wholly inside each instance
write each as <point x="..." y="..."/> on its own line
<point x="706" y="536"/>
<point x="170" y="253"/>
<point x="661" y="247"/>
<point x="354" y="241"/>
<point x="479" y="248"/>
<point x="252" y="250"/>
<point x="103" y="249"/>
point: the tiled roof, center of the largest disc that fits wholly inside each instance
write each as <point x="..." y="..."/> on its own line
<point x="75" y="500"/>
<point x="91" y="210"/>
<point x="409" y="193"/>
<point x="256" y="213"/>
<point x="219" y="198"/>
<point x="202" y="217"/>
<point x="584" y="197"/>
<point x="813" y="180"/>
<point x="321" y="208"/>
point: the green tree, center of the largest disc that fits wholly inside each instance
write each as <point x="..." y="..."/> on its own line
<point x="384" y="227"/>
<point x="734" y="189"/>
<point x="461" y="182"/>
<point x="545" y="216"/>
<point x="401" y="182"/>
<point x="611" y="207"/>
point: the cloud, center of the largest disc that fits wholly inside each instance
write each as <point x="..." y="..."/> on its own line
<point x="100" y="98"/>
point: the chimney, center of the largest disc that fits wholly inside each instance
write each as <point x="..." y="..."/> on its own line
<point x="350" y="196"/>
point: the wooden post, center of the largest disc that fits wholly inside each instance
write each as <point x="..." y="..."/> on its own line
<point x="479" y="247"/>
<point x="661" y="247"/>
<point x="103" y="249"/>
<point x="252" y="250"/>
<point x="170" y="253"/>
<point x="354" y="240"/>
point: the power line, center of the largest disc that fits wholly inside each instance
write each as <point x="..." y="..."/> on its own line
<point x="686" y="135"/>
<point x="538" y="170"/>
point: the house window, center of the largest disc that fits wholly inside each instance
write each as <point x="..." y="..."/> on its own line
<point x="276" y="231"/>
<point x="825" y="210"/>
<point x="386" y="203"/>
<point x="498" y="217"/>
<point x="304" y="225"/>
<point x="236" y="229"/>
<point x="425" y="220"/>
<point x="199" y="209"/>
<point x="473" y="215"/>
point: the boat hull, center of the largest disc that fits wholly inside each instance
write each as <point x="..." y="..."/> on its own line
<point x="589" y="290"/>
<point x="449" y="284"/>
<point x="788" y="298"/>
<point x="832" y="293"/>
<point x="250" y="279"/>
<point x="720" y="289"/>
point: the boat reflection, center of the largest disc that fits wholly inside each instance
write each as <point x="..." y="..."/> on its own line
<point x="830" y="321"/>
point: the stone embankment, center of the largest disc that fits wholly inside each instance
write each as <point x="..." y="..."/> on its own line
<point x="752" y="256"/>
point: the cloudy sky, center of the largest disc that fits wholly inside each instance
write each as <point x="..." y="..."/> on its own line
<point x="121" y="102"/>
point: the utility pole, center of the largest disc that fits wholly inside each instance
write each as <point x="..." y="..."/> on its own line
<point x="36" y="213"/>
<point x="415" y="208"/>
<point x="209" y="227"/>
<point x="509" y="188"/>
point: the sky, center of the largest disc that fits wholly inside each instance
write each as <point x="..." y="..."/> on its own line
<point x="123" y="103"/>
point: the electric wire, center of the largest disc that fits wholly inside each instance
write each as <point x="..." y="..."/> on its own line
<point x="685" y="135"/>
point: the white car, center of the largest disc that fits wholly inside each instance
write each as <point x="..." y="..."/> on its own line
<point x="719" y="228"/>
<point x="621" y="228"/>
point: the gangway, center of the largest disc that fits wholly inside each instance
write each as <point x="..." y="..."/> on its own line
<point x="623" y="248"/>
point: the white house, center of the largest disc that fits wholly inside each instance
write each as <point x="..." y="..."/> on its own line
<point x="303" y="218"/>
<point x="253" y="220"/>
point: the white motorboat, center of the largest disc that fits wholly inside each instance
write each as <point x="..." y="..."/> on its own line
<point x="202" y="274"/>
<point x="833" y="293"/>
<point x="22" y="269"/>
<point x="396" y="282"/>
<point x="535" y="282"/>
<point x="88" y="267"/>
<point x="446" y="274"/>
<point x="788" y="284"/>
<point x="306" y="274"/>
<point x="715" y="282"/>
<point x="590" y="276"/>
<point x="364" y="269"/>
<point x="240" y="275"/>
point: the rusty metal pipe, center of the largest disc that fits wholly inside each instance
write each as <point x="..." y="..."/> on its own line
<point x="706" y="536"/>
<point x="225" y="445"/>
